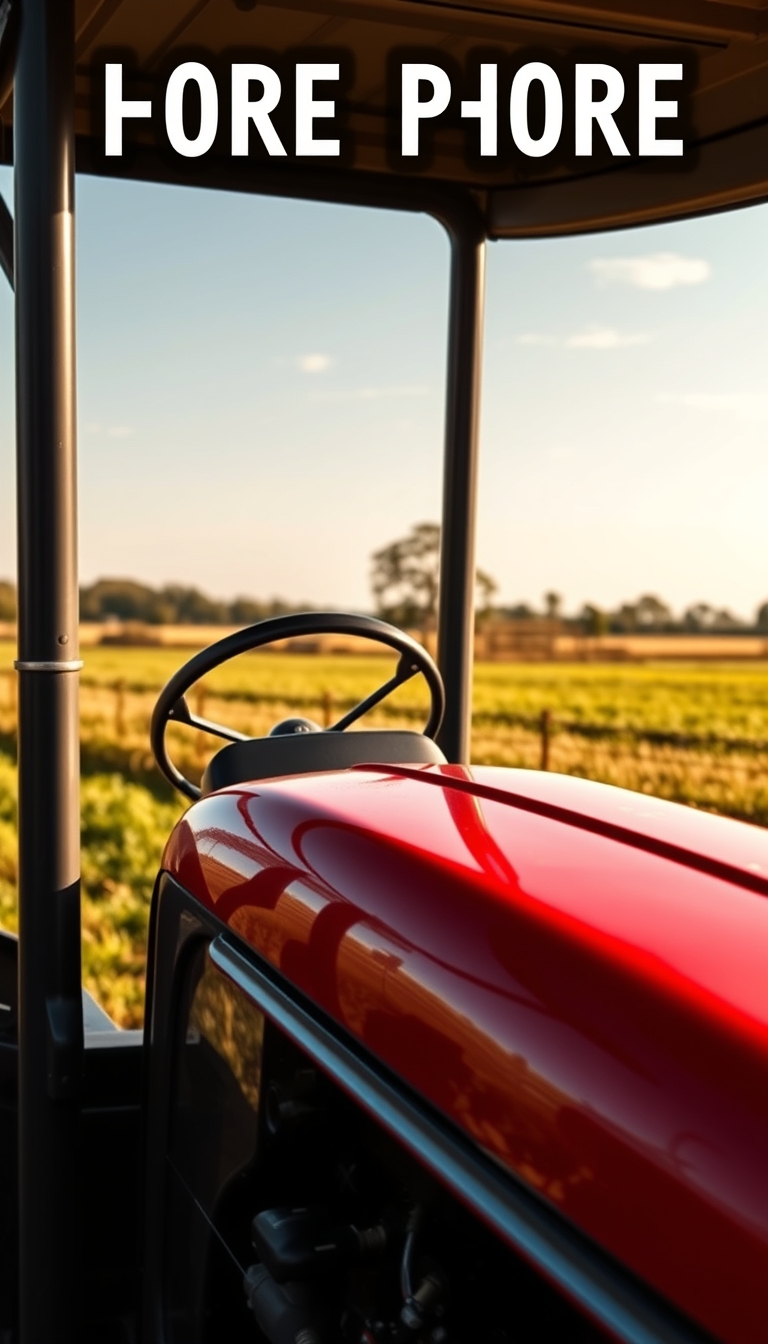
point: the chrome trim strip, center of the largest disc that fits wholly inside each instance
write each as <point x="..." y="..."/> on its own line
<point x="601" y="1286"/>
<point x="73" y="665"/>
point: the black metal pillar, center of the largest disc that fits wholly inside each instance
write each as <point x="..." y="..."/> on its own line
<point x="50" y="1003"/>
<point x="456" y="606"/>
<point x="6" y="242"/>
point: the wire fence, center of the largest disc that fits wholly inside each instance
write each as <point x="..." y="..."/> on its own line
<point x="326" y="707"/>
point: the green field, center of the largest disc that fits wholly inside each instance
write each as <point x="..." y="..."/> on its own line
<point x="695" y="733"/>
<point x="124" y="828"/>
<point x="725" y="699"/>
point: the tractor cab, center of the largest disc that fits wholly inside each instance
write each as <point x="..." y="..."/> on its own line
<point x="433" y="1054"/>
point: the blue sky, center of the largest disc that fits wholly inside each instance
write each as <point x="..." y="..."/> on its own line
<point x="261" y="390"/>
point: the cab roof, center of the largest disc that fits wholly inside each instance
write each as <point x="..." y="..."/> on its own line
<point x="728" y="41"/>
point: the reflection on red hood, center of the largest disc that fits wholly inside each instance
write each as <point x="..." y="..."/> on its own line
<point x="574" y="974"/>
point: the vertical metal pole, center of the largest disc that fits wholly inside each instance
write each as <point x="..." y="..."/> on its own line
<point x="6" y="242"/>
<point x="456" y="606"/>
<point x="50" y="1003"/>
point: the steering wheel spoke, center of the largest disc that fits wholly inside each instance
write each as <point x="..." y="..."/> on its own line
<point x="406" y="668"/>
<point x="181" y="713"/>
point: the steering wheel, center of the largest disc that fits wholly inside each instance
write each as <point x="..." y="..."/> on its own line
<point x="172" y="705"/>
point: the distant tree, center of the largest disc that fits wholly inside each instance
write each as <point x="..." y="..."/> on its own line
<point x="553" y="603"/>
<point x="124" y="600"/>
<point x="651" y="613"/>
<point x="486" y="590"/>
<point x="725" y="620"/>
<point x="699" y="616"/>
<point x="521" y="611"/>
<point x="191" y="607"/>
<point x="762" y="617"/>
<point x="405" y="575"/>
<point x="594" y="620"/>
<point x="7" y="601"/>
<point x="174" y="604"/>
<point x="246" y="611"/>
<point x="625" y="619"/>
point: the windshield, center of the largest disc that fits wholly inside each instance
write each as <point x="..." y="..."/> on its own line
<point x="261" y="402"/>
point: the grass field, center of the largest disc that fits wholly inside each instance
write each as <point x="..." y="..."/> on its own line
<point x="714" y="755"/>
<point x="726" y="699"/>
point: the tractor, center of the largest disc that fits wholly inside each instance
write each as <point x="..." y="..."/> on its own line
<point x="433" y="1053"/>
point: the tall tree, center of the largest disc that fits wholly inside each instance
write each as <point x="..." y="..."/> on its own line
<point x="647" y="613"/>
<point x="554" y="606"/>
<point x="594" y="620"/>
<point x="405" y="575"/>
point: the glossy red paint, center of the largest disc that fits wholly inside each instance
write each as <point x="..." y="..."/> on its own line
<point x="575" y="975"/>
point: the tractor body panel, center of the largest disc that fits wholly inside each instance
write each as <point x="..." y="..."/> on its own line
<point x="574" y="975"/>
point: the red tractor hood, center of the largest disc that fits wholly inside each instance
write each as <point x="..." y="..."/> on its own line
<point x="574" y="974"/>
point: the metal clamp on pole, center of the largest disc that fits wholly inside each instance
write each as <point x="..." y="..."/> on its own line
<point x="73" y="665"/>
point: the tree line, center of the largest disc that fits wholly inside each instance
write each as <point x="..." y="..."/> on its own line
<point x="404" y="580"/>
<point x="173" y="604"/>
<point x="404" y="583"/>
<point x="649" y="614"/>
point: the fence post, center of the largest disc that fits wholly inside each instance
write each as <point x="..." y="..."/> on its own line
<point x="546" y="723"/>
<point x="120" y="710"/>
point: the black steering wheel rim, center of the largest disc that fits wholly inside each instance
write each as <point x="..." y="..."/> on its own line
<point x="267" y="632"/>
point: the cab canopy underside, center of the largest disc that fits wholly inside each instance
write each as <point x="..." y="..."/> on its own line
<point x="725" y="44"/>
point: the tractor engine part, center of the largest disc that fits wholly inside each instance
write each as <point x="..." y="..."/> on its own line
<point x="304" y="1244"/>
<point x="286" y="1313"/>
<point x="289" y="1105"/>
<point x="423" y="1307"/>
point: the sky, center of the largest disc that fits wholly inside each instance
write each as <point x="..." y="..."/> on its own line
<point x="261" y="387"/>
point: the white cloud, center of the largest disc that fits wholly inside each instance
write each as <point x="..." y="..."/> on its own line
<point x="749" y="406"/>
<point x="605" y="338"/>
<point x="656" y="270"/>
<point x="314" y="363"/>
<point x="593" y="337"/>
<point x="120" y="431"/>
